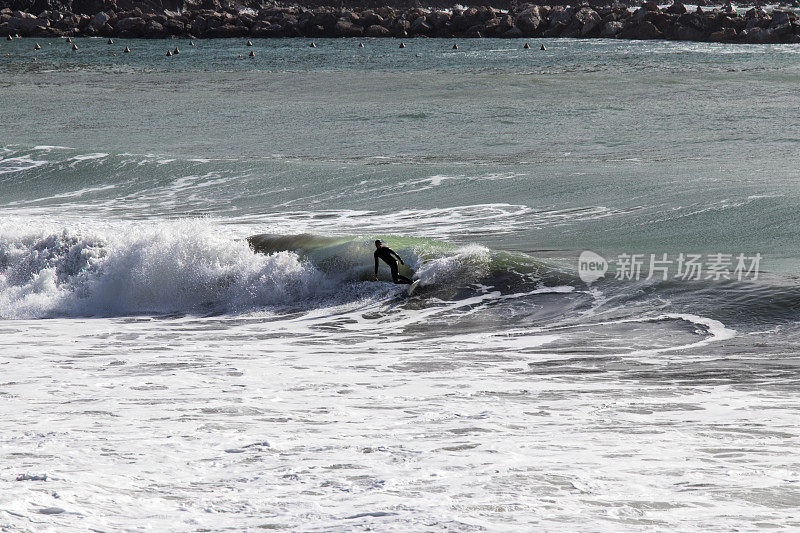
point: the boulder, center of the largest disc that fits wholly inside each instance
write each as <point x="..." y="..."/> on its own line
<point x="676" y="8"/>
<point x="529" y="20"/>
<point x="345" y="28"/>
<point x="781" y="18"/>
<point x="647" y="30"/>
<point x="420" y="27"/>
<point x="400" y="28"/>
<point x="265" y="29"/>
<point x="725" y="35"/>
<point x="611" y="28"/>
<point x="377" y="31"/>
<point x="26" y="24"/>
<point x="153" y="29"/>
<point x="589" y="21"/>
<point x="226" y="31"/>
<point x="688" y="33"/>
<point x="132" y="25"/>
<point x="370" y="18"/>
<point x="554" y="31"/>
<point x="99" y="20"/>
<point x="561" y="15"/>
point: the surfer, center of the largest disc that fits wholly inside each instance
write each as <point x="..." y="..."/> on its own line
<point x="387" y="255"/>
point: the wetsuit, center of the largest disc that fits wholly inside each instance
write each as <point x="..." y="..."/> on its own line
<point x="388" y="255"/>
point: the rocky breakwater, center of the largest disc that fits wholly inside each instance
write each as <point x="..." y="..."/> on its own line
<point x="728" y="24"/>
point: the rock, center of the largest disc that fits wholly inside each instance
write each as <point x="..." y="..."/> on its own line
<point x="676" y="8"/>
<point x="611" y="28"/>
<point x="345" y="28"/>
<point x="99" y="20"/>
<point x="400" y="28"/>
<point x="265" y="29"/>
<point x="420" y="27"/>
<point x="370" y="18"/>
<point x="688" y="33"/>
<point x="554" y="31"/>
<point x="781" y="18"/>
<point x="132" y="25"/>
<point x="26" y="24"/>
<point x="474" y="32"/>
<point x="377" y="31"/>
<point x="513" y="33"/>
<point x="588" y="20"/>
<point x="765" y="36"/>
<point x="529" y="21"/>
<point x="561" y="15"/>
<point x="725" y="35"/>
<point x="154" y="30"/>
<point x="227" y="31"/>
<point x="647" y="30"/>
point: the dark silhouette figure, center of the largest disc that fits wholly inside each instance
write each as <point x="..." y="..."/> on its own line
<point x="387" y="255"/>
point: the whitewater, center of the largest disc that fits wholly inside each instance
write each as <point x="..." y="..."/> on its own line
<point x="191" y="338"/>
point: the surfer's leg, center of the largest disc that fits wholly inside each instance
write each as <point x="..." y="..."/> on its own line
<point x="397" y="278"/>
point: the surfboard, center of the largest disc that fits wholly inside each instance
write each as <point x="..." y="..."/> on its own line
<point x="412" y="287"/>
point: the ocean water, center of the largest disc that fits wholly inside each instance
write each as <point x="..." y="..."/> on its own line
<point x="191" y="339"/>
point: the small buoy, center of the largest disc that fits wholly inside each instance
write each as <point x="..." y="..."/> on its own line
<point x="115" y="55"/>
<point x="249" y="43"/>
<point x="455" y="47"/>
<point x="34" y="59"/>
<point x="74" y="46"/>
<point x="402" y="45"/>
<point x="542" y="48"/>
<point x="239" y="56"/>
<point x="313" y="45"/>
<point x="169" y="53"/>
<point x="176" y="51"/>
<point x="110" y="41"/>
<point x="191" y="43"/>
<point x="527" y="46"/>
<point x="37" y="47"/>
<point x="67" y="40"/>
<point x="127" y="50"/>
<point x="361" y="45"/>
<point x="252" y="54"/>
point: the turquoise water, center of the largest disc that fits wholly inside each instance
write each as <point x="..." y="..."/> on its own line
<point x="161" y="374"/>
<point x="632" y="146"/>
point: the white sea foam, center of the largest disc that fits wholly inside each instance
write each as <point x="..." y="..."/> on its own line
<point x="11" y="165"/>
<point x="180" y="267"/>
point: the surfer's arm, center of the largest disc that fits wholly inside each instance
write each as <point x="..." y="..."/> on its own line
<point x="376" y="264"/>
